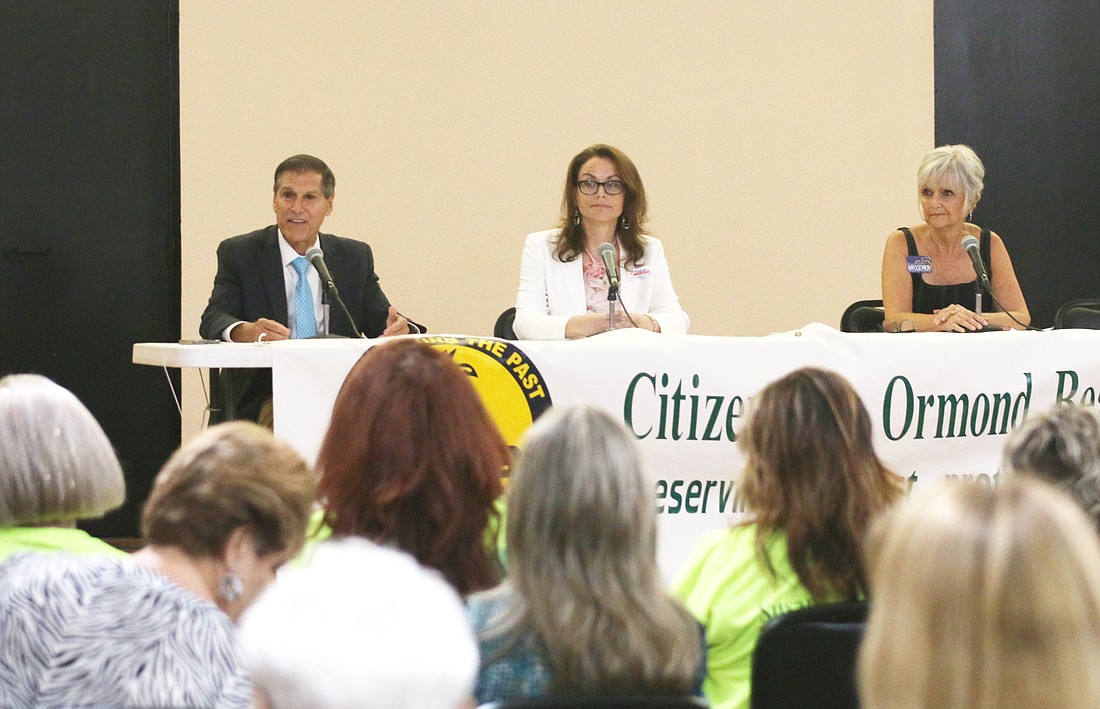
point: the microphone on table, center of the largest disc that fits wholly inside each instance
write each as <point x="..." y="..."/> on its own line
<point x="317" y="258"/>
<point x="607" y="255"/>
<point x="971" y="245"/>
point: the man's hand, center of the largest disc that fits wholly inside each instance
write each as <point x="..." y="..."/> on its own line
<point x="396" y="324"/>
<point x="263" y="330"/>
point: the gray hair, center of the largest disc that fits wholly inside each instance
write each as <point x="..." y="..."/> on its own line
<point x="955" y="165"/>
<point x="56" y="463"/>
<point x="582" y="534"/>
<point x="1062" y="447"/>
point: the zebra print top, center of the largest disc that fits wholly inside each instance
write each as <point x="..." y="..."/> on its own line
<point x="84" y="631"/>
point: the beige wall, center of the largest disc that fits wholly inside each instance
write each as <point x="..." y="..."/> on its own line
<point x="778" y="140"/>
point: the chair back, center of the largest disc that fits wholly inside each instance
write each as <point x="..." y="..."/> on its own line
<point x="1082" y="313"/>
<point x="863" y="316"/>
<point x="503" y="328"/>
<point x="807" y="658"/>
<point x="606" y="701"/>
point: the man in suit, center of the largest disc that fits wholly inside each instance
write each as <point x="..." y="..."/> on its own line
<point x="259" y="294"/>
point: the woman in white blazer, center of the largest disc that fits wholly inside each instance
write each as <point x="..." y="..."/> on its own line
<point x="563" y="285"/>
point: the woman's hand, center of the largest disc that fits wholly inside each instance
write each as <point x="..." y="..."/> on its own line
<point x="956" y="318"/>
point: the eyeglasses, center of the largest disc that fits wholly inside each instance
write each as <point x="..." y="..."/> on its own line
<point x="591" y="187"/>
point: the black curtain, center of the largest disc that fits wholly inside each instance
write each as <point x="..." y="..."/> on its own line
<point x="89" y="214"/>
<point x="1018" y="81"/>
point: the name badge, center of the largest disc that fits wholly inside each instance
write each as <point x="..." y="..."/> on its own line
<point x="639" y="272"/>
<point x="919" y="264"/>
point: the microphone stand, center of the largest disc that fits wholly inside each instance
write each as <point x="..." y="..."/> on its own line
<point x="612" y="297"/>
<point x="324" y="311"/>
<point x="978" y="296"/>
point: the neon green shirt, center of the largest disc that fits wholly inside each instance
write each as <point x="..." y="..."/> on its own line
<point x="14" y="540"/>
<point x="733" y="595"/>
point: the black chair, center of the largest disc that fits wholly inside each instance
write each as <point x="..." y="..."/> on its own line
<point x="807" y="658"/>
<point x="503" y="328"/>
<point x="596" y="701"/>
<point x="1083" y="313"/>
<point x="863" y="316"/>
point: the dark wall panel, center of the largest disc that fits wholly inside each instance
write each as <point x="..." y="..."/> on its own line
<point x="89" y="213"/>
<point x="1018" y="81"/>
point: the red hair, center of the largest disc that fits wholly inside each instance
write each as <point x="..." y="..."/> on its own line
<point x="412" y="459"/>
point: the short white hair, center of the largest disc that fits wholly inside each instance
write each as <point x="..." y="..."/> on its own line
<point x="56" y="463"/>
<point x="360" y="626"/>
<point x="957" y="166"/>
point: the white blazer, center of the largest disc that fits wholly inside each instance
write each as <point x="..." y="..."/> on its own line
<point x="552" y="291"/>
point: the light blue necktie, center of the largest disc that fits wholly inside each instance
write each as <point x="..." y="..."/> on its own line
<point x="305" y="321"/>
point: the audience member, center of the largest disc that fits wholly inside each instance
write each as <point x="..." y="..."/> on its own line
<point x="812" y="483"/>
<point x="156" y="629"/>
<point x="1063" y="448"/>
<point x="413" y="460"/>
<point x="584" y="609"/>
<point x="563" y="284"/>
<point x="360" y="626"/>
<point x="984" y="598"/>
<point x="56" y="467"/>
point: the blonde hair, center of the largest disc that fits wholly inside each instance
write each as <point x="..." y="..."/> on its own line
<point x="983" y="598"/>
<point x="956" y="166"/>
<point x="56" y="464"/>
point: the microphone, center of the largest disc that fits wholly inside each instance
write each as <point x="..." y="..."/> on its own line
<point x="607" y="255"/>
<point x="971" y="245"/>
<point x="318" y="260"/>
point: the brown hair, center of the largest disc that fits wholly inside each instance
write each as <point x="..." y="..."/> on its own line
<point x="413" y="459"/>
<point x="811" y="472"/>
<point x="230" y="476"/>
<point x="571" y="242"/>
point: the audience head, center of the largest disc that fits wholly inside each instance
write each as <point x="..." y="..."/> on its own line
<point x="811" y="470"/>
<point x="360" y="627"/>
<point x="412" y="459"/>
<point x="308" y="164"/>
<point x="581" y="503"/>
<point x="984" y="597"/>
<point x="954" y="166"/>
<point x="56" y="464"/>
<point x="582" y="558"/>
<point x="236" y="495"/>
<point x="1063" y="448"/>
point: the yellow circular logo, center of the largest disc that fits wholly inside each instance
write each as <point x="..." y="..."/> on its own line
<point x="508" y="382"/>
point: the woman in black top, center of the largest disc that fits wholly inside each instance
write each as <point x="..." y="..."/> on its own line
<point x="928" y="279"/>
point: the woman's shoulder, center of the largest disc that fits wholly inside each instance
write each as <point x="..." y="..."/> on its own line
<point x="547" y="236"/>
<point x="485" y="606"/>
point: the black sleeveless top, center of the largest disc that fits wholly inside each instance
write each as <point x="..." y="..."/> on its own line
<point x="928" y="298"/>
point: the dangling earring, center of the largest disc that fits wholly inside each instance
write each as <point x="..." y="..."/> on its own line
<point x="576" y="217"/>
<point x="230" y="587"/>
<point x="624" y="223"/>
